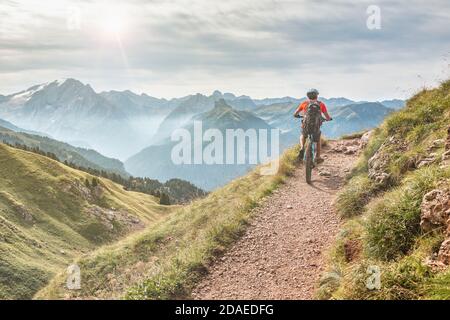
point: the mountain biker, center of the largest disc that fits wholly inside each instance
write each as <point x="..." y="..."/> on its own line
<point x="312" y="95"/>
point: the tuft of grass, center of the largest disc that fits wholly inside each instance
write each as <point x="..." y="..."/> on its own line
<point x="351" y="136"/>
<point x="438" y="288"/>
<point x="352" y="199"/>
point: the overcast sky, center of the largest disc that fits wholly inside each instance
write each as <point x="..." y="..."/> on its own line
<point x="261" y="48"/>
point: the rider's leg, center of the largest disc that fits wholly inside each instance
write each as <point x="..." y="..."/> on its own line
<point x="319" y="148"/>
<point x="302" y="146"/>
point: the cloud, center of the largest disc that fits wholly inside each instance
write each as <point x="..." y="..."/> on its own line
<point x="258" y="47"/>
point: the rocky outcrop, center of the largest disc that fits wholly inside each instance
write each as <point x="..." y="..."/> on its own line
<point x="425" y="161"/>
<point x="435" y="215"/>
<point x="24" y="212"/>
<point x="364" y="141"/>
<point x="432" y="156"/>
<point x="109" y="217"/>
<point x="435" y="210"/>
<point x="378" y="164"/>
<point x="447" y="142"/>
<point x="77" y="187"/>
<point x="446" y="155"/>
<point x="349" y="146"/>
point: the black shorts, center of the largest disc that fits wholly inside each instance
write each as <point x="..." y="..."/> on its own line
<point x="316" y="136"/>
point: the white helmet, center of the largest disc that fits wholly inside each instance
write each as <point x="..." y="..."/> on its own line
<point x="313" y="91"/>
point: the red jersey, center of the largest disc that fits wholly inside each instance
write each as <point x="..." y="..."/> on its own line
<point x="302" y="106"/>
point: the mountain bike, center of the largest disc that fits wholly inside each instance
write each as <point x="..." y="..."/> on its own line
<point x="310" y="153"/>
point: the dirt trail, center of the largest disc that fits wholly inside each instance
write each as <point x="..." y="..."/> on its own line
<point x="281" y="254"/>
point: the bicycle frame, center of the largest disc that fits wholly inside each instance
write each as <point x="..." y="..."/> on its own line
<point x="314" y="147"/>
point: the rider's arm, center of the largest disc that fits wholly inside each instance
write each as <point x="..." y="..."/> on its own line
<point x="327" y="116"/>
<point x="324" y="110"/>
<point x="299" y="109"/>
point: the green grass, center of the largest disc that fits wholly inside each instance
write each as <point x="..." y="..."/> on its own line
<point x="352" y="200"/>
<point x="351" y="136"/>
<point x="166" y="260"/>
<point x="44" y="219"/>
<point x="393" y="220"/>
<point x="384" y="219"/>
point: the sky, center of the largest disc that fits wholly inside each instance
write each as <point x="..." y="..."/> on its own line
<point x="260" y="48"/>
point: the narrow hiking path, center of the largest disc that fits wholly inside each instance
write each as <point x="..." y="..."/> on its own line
<point x="280" y="256"/>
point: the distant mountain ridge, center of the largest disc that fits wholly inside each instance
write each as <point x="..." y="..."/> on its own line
<point x="121" y="124"/>
<point x="65" y="152"/>
<point x="155" y="161"/>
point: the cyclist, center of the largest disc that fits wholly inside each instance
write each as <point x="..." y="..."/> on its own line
<point x="312" y="95"/>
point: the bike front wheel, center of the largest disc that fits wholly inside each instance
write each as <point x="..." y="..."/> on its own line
<point x="308" y="160"/>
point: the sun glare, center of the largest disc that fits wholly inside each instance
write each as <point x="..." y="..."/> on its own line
<point x="112" y="24"/>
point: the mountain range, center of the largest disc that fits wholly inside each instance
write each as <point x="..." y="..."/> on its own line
<point x="155" y="161"/>
<point x="135" y="128"/>
<point x="65" y="152"/>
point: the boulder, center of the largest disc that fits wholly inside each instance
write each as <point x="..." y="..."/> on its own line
<point x="425" y="161"/>
<point x="365" y="138"/>
<point x="436" y="144"/>
<point x="447" y="143"/>
<point x="435" y="214"/>
<point x="435" y="210"/>
<point x="444" y="252"/>
<point x="379" y="163"/>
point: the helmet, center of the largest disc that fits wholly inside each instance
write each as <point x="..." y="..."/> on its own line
<point x="312" y="93"/>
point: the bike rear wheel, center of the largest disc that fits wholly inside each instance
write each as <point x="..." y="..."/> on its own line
<point x="308" y="160"/>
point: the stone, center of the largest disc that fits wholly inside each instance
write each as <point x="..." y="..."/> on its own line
<point x="379" y="163"/>
<point x="435" y="210"/>
<point x="447" y="142"/>
<point x="365" y="138"/>
<point x="436" y="144"/>
<point x="351" y="150"/>
<point x="435" y="214"/>
<point x="444" y="252"/>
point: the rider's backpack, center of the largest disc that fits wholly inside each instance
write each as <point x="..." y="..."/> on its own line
<point x="313" y="118"/>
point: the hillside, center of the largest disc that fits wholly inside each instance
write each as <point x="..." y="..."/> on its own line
<point x="86" y="158"/>
<point x="396" y="208"/>
<point x="167" y="260"/>
<point x="155" y="161"/>
<point x="49" y="215"/>
<point x="10" y="126"/>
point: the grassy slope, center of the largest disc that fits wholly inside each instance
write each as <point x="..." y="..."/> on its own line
<point x="382" y="223"/>
<point x="44" y="222"/>
<point x="166" y="260"/>
<point x="65" y="152"/>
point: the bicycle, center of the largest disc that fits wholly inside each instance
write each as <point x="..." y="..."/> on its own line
<point x="310" y="153"/>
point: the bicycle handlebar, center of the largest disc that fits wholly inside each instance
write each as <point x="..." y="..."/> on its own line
<point x="301" y="117"/>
